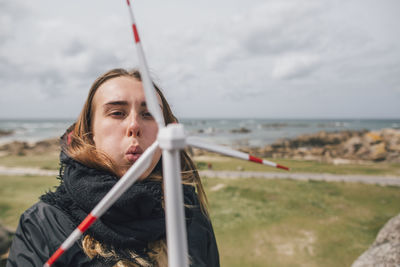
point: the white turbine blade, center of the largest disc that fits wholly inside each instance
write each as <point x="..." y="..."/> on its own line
<point x="149" y="90"/>
<point x="232" y="153"/>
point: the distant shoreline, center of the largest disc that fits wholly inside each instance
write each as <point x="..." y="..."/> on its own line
<point x="339" y="147"/>
<point x="235" y="132"/>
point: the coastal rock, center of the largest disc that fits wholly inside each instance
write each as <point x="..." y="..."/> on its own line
<point x="274" y="125"/>
<point x="393" y="137"/>
<point x="46" y="146"/>
<point x="6" y="132"/>
<point x="352" y="145"/>
<point x="265" y="151"/>
<point x="17" y="148"/>
<point x="327" y="157"/>
<point x="240" y="130"/>
<point x="319" y="139"/>
<point x="385" y="251"/>
<point x="373" y="138"/>
<point x="338" y="147"/>
<point x="377" y="152"/>
<point x="5" y="241"/>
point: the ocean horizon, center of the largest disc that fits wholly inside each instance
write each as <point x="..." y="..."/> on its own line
<point x="235" y="132"/>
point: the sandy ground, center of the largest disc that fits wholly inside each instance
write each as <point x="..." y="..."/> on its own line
<point x="366" y="179"/>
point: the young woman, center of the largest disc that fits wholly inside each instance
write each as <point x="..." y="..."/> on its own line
<point x="112" y="131"/>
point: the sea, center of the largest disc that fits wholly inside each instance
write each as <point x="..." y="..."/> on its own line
<point x="231" y="132"/>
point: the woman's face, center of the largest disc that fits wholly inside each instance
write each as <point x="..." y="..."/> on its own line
<point x="122" y="126"/>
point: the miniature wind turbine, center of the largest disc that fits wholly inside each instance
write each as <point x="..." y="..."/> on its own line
<point x="171" y="139"/>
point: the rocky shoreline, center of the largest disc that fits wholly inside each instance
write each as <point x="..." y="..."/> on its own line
<point x="337" y="147"/>
<point x="332" y="147"/>
<point x="18" y="148"/>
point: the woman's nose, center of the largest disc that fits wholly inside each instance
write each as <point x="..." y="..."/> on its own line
<point x="134" y="128"/>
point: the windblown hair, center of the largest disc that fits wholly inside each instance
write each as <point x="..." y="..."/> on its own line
<point x="82" y="148"/>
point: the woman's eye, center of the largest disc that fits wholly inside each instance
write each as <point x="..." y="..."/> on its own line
<point x="147" y="115"/>
<point x="117" y="113"/>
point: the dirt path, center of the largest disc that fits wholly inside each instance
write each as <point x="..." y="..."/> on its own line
<point x="354" y="178"/>
<point x="26" y="171"/>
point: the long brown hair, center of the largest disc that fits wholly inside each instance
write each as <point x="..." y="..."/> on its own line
<point x="82" y="148"/>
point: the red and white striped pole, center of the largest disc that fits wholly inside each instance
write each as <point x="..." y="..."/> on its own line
<point x="73" y="237"/>
<point x="150" y="92"/>
<point x="172" y="140"/>
<point x="191" y="141"/>
<point x="109" y="199"/>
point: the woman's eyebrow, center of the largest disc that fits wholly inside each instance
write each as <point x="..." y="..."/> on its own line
<point x="116" y="103"/>
<point x="124" y="103"/>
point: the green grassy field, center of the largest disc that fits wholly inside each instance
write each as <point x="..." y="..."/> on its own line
<point x="226" y="163"/>
<point x="46" y="161"/>
<point x="17" y="193"/>
<point x="266" y="222"/>
<point x="294" y="223"/>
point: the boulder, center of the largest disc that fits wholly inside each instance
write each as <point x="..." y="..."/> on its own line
<point x="319" y="139"/>
<point x="15" y="148"/>
<point x="373" y="137"/>
<point x="393" y="139"/>
<point x="5" y="240"/>
<point x="18" y="148"/>
<point x="385" y="251"/>
<point x="351" y="146"/>
<point x="318" y="151"/>
<point x="45" y="146"/>
<point x="6" y="132"/>
<point x="264" y="152"/>
<point x="240" y="130"/>
<point x="377" y="152"/>
<point x="393" y="157"/>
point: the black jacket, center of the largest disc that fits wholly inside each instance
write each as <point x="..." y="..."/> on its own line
<point x="42" y="229"/>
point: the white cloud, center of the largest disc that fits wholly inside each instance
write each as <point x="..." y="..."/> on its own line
<point x="259" y="52"/>
<point x="291" y="66"/>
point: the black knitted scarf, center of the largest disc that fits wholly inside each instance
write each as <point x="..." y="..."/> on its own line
<point x="136" y="219"/>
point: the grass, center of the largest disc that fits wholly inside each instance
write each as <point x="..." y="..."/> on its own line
<point x="17" y="193"/>
<point x="43" y="161"/>
<point x="295" y="223"/>
<point x="266" y="222"/>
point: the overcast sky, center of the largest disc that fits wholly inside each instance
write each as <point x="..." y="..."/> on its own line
<point x="213" y="58"/>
